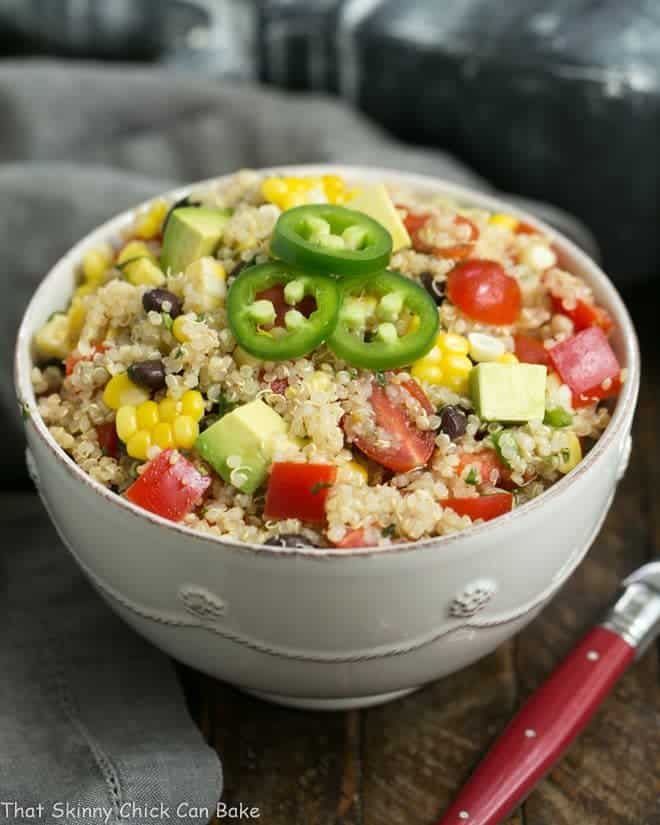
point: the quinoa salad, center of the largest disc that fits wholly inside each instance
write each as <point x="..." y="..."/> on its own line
<point x="326" y="362"/>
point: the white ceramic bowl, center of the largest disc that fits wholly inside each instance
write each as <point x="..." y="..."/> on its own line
<point x="327" y="628"/>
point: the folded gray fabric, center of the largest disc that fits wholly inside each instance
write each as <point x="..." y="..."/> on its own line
<point x="89" y="713"/>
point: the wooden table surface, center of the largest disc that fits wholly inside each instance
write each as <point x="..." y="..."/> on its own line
<point x="401" y="763"/>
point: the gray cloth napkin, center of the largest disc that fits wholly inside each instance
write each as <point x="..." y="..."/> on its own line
<point x="89" y="713"/>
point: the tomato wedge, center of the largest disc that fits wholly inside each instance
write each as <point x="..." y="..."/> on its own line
<point x="482" y="507"/>
<point x="585" y="315"/>
<point x="415" y="222"/>
<point x="487" y="465"/>
<point x="408" y="446"/>
<point x="354" y="538"/>
<point x="299" y="490"/>
<point x="169" y="490"/>
<point x="108" y="439"/>
<point x="483" y="291"/>
<point x="530" y="350"/>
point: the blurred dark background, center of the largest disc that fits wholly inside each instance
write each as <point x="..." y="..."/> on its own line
<point x="551" y="99"/>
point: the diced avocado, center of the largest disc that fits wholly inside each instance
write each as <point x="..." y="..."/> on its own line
<point x="239" y="445"/>
<point x="508" y="392"/>
<point x="376" y="202"/>
<point x="191" y="233"/>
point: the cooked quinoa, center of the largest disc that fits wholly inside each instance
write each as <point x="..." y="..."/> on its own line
<point x="171" y="360"/>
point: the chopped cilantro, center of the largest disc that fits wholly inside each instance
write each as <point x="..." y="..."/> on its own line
<point x="167" y="320"/>
<point x="381" y="378"/>
<point x="320" y="485"/>
<point x="389" y="531"/>
<point x="472" y="477"/>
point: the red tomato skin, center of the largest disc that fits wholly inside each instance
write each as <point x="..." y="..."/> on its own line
<point x="486" y="462"/>
<point x="275" y="294"/>
<point x="73" y="357"/>
<point x="482" y="507"/>
<point x="483" y="291"/>
<point x="108" y="439"/>
<point x="354" y="538"/>
<point x="585" y="360"/>
<point x="299" y="491"/>
<point x="585" y="315"/>
<point x="415" y="447"/>
<point x="524" y="228"/>
<point x="415" y="221"/>
<point x="530" y="350"/>
<point x="169" y="490"/>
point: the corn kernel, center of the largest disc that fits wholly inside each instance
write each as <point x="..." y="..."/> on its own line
<point x="120" y="390"/>
<point x="293" y="199"/>
<point x="84" y="289"/>
<point x="273" y="189"/>
<point x="192" y="404"/>
<point x="148" y="224"/>
<point x="358" y="472"/>
<point x="162" y="436"/>
<point x="138" y="445"/>
<point x="126" y="422"/>
<point x="147" y="415"/>
<point x="504" y="221"/>
<point x="185" y="431"/>
<point x="167" y="410"/>
<point x="133" y="249"/>
<point x="450" y="342"/>
<point x="76" y="315"/>
<point x="96" y="262"/>
<point x="446" y="364"/>
<point x="178" y="328"/>
<point x="507" y="358"/>
<point x="205" y="285"/>
<point x="571" y="456"/>
<point x="485" y="347"/>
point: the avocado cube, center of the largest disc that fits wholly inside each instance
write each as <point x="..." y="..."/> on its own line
<point x="192" y="232"/>
<point x="375" y="202"/>
<point x="239" y="446"/>
<point x="508" y="392"/>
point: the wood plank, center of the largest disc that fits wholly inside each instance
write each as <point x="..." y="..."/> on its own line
<point x="296" y="767"/>
<point x="611" y="773"/>
<point x="417" y="751"/>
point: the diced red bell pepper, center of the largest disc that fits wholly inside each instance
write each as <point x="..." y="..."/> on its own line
<point x="530" y="350"/>
<point x="170" y="490"/>
<point x="584" y="315"/>
<point x="299" y="490"/>
<point x="481" y="507"/>
<point x="585" y="361"/>
<point x="108" y="439"/>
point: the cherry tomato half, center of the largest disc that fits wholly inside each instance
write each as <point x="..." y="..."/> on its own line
<point x="483" y="291"/>
<point x="482" y="507"/>
<point x="409" y="447"/>
<point x="354" y="538"/>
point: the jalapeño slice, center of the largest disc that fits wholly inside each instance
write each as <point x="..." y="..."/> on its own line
<point x="277" y="313"/>
<point x="385" y="321"/>
<point x="331" y="239"/>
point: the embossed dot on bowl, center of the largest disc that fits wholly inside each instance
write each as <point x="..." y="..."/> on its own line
<point x="202" y="603"/>
<point x="473" y="598"/>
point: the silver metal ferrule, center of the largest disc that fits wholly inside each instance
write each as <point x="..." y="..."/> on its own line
<point x="636" y="616"/>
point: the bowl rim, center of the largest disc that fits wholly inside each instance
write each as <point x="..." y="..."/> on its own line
<point x="618" y="426"/>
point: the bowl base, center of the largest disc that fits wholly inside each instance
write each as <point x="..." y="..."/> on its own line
<point x="349" y="703"/>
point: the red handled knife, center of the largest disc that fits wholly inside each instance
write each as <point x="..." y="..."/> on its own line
<point x="560" y="709"/>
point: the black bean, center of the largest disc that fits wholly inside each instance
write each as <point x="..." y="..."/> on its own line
<point x="289" y="540"/>
<point x="154" y="299"/>
<point x="435" y="288"/>
<point x="453" y="421"/>
<point x="149" y="374"/>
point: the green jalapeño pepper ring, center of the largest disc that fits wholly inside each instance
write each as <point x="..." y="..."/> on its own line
<point x="331" y="239"/>
<point x="253" y="319"/>
<point x="385" y="321"/>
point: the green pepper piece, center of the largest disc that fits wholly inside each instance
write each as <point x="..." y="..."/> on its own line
<point x="331" y="239"/>
<point x="558" y="417"/>
<point x="279" y="343"/>
<point x="374" y="350"/>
